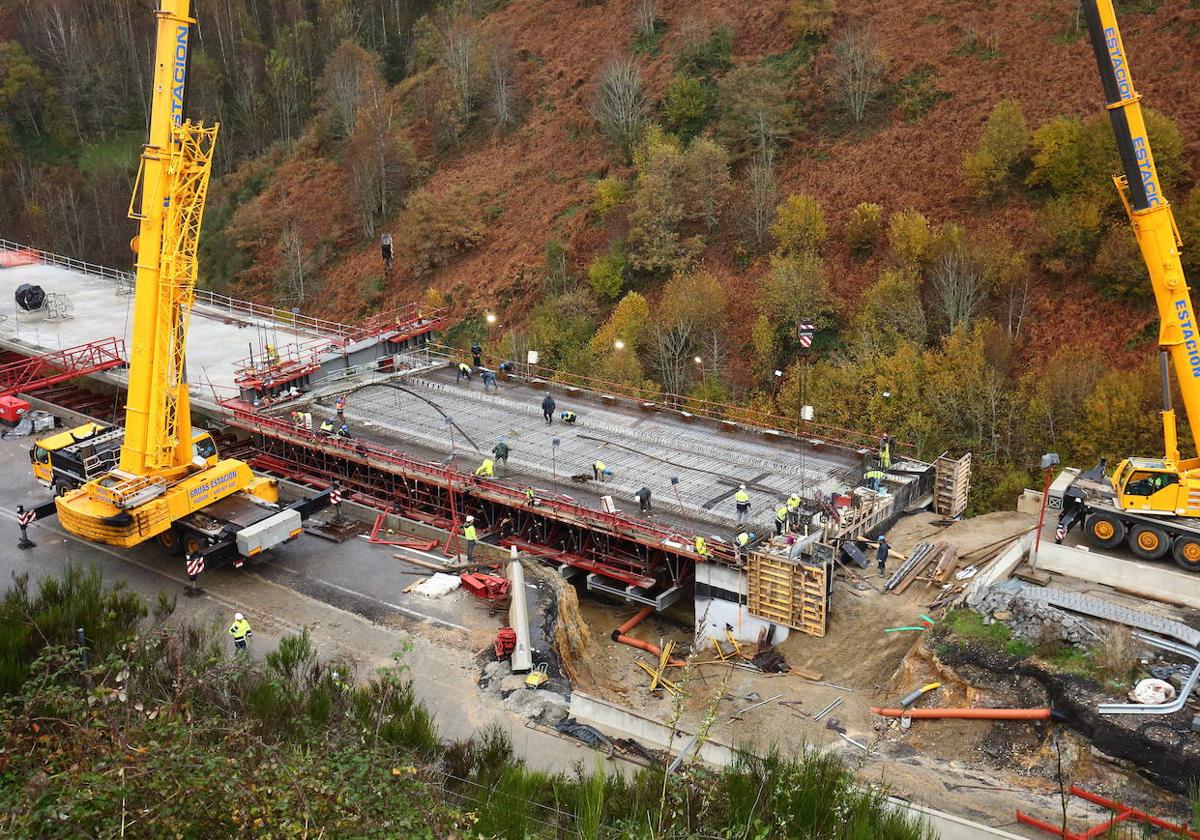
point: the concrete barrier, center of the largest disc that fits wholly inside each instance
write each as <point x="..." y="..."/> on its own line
<point x="1162" y="581"/>
<point x="614" y="720"/>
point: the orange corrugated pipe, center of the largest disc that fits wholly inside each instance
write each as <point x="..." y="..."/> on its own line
<point x="973" y="714"/>
<point x="618" y="635"/>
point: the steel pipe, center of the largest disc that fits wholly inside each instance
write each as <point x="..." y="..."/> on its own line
<point x="1159" y="708"/>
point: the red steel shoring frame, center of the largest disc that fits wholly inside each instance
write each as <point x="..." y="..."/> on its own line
<point x="30" y="374"/>
<point x="702" y="408"/>
<point x="415" y="542"/>
<point x="408" y="321"/>
<point x="456" y="482"/>
<point x="1123" y="813"/>
<point x="287" y="465"/>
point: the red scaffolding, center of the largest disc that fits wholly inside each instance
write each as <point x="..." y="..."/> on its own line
<point x="37" y="372"/>
<point x="645" y="555"/>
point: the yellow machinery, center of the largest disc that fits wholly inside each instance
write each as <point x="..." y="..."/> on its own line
<point x="163" y="474"/>
<point x="1151" y="502"/>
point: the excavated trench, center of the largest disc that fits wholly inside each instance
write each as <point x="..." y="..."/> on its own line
<point x="1161" y="747"/>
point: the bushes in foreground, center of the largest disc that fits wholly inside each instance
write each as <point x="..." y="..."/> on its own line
<point x="159" y="734"/>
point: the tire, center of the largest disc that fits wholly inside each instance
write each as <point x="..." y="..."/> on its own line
<point x="1104" y="530"/>
<point x="61" y="488"/>
<point x="192" y="544"/>
<point x="1148" y="542"/>
<point x="1187" y="553"/>
<point x="169" y="542"/>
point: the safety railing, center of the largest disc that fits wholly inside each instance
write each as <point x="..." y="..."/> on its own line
<point x="204" y="297"/>
<point x="669" y="540"/>
<point x="634" y="395"/>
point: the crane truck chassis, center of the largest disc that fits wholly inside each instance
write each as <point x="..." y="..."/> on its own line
<point x="231" y="530"/>
<point x="1087" y="499"/>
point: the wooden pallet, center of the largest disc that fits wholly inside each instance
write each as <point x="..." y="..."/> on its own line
<point x="793" y="594"/>
<point x="951" y="484"/>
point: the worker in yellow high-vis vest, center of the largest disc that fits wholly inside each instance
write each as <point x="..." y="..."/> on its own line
<point x="470" y="536"/>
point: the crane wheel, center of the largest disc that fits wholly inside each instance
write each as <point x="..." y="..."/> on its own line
<point x="192" y="545"/>
<point x="1187" y="553"/>
<point x="169" y="542"/>
<point x="1104" y="530"/>
<point x="1148" y="542"/>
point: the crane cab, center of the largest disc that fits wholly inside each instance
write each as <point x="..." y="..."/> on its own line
<point x="1150" y="485"/>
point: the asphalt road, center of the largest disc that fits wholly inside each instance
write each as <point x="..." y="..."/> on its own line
<point x="349" y="596"/>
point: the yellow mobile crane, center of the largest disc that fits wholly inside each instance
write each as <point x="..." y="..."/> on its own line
<point x="1150" y="502"/>
<point x="170" y="483"/>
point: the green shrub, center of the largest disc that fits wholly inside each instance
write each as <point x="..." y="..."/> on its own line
<point x="606" y="275"/>
<point x="607" y="193"/>
<point x="811" y="18"/>
<point x="438" y="227"/>
<point x="1068" y="230"/>
<point x="704" y="56"/>
<point x="909" y="239"/>
<point x="687" y="106"/>
<point x="799" y="225"/>
<point x="1058" y="155"/>
<point x="863" y="229"/>
<point x="1003" y="147"/>
<point x="1118" y="268"/>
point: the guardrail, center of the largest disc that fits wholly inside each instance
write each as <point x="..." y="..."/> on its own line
<point x="204" y="297"/>
<point x="793" y="427"/>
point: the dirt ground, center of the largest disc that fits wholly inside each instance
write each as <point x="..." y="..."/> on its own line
<point x="978" y="769"/>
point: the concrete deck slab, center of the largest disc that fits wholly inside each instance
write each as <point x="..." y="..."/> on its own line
<point x="216" y="340"/>
<point x="691" y="468"/>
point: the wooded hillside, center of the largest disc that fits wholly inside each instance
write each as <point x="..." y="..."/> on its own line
<point x="928" y="182"/>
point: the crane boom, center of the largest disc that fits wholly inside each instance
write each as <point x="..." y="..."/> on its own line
<point x="167" y="471"/>
<point x="1151" y="217"/>
<point x="175" y="166"/>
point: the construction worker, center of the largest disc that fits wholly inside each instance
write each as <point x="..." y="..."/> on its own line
<point x="470" y="537"/>
<point x="881" y="554"/>
<point x="486" y="469"/>
<point x="327" y="427"/>
<point x="793" y="505"/>
<point x="599" y="470"/>
<point x="385" y="249"/>
<point x="488" y="378"/>
<point x="271" y="353"/>
<point x="569" y="417"/>
<point x="508" y="367"/>
<point x="875" y="480"/>
<point x="530" y="496"/>
<point x="885" y="452"/>
<point x="742" y="498"/>
<point x="500" y="451"/>
<point x="548" y="409"/>
<point x="781" y="518"/>
<point x="701" y="546"/>
<point x="477" y="354"/>
<point x="643" y="497"/>
<point x="742" y="542"/>
<point x="343" y="430"/>
<point x="340" y="404"/>
<point x="241" y="632"/>
<point x="464" y="372"/>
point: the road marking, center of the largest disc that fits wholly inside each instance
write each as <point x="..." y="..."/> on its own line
<point x="129" y="558"/>
<point x="405" y="610"/>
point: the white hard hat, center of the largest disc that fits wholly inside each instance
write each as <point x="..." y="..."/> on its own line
<point x="742" y="487"/>
<point x="470" y="518"/>
<point x="238" y="617"/>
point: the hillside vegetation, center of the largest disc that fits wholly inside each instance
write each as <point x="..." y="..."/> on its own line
<point x="927" y="182"/>
<point x="150" y="731"/>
